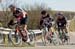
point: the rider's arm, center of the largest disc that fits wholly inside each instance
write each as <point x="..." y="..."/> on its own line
<point x="65" y="21"/>
<point x="51" y="18"/>
<point x="56" y="23"/>
<point x="10" y="23"/>
<point x="51" y="21"/>
<point x="41" y="21"/>
<point x="19" y="12"/>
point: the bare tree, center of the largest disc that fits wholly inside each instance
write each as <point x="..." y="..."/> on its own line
<point x="6" y="14"/>
<point x="34" y="13"/>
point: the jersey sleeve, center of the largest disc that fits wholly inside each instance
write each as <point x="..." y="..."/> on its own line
<point x="18" y="10"/>
<point x="41" y="21"/>
<point x="65" y="20"/>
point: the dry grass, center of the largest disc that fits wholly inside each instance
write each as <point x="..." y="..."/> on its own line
<point x="72" y="25"/>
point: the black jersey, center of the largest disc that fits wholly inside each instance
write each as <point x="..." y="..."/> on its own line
<point x="18" y="13"/>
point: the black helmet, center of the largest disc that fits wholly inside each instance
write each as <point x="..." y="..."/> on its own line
<point x="11" y="6"/>
<point x="43" y="12"/>
<point x="59" y="14"/>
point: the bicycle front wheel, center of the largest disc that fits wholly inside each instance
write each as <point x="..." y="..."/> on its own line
<point x="1" y="38"/>
<point x="32" y="36"/>
<point x="15" y="38"/>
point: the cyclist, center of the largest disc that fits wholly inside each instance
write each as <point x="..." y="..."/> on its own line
<point x="61" y="23"/>
<point x="45" y="22"/>
<point x="21" y="17"/>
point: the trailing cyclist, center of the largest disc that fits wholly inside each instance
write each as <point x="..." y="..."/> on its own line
<point x="61" y="23"/>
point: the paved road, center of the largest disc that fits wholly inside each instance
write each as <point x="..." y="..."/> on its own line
<point x="44" y="47"/>
<point x="39" y="45"/>
<point x="72" y="40"/>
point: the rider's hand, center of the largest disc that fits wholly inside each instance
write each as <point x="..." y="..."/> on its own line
<point x="10" y="22"/>
<point x="15" y="22"/>
<point x="40" y="27"/>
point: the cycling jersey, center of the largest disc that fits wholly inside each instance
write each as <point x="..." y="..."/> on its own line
<point x="46" y="21"/>
<point x="21" y="16"/>
<point x="61" y="22"/>
<point x="17" y="12"/>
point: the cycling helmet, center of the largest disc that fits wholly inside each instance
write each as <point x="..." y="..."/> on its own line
<point x="43" y="12"/>
<point x="59" y="14"/>
<point x="11" y="6"/>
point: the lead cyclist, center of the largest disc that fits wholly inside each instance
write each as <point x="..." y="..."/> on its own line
<point x="21" y="17"/>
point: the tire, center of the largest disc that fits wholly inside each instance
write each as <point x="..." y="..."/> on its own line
<point x="31" y="36"/>
<point x="53" y="39"/>
<point x="1" y="38"/>
<point x="67" y="39"/>
<point x="43" y="39"/>
<point x="15" y="39"/>
<point x="43" y="36"/>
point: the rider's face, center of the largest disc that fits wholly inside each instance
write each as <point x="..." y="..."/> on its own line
<point x="44" y="15"/>
<point x="60" y="16"/>
<point x="12" y="9"/>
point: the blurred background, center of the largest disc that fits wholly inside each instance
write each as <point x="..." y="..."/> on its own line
<point x="34" y="7"/>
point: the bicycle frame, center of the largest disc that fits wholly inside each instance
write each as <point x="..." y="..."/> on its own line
<point x="62" y="36"/>
<point x="19" y="37"/>
<point x="44" y="31"/>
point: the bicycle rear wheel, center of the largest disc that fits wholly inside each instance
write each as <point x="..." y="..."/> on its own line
<point x="67" y="38"/>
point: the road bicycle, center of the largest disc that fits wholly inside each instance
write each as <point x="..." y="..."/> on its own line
<point x="63" y="36"/>
<point x="16" y="37"/>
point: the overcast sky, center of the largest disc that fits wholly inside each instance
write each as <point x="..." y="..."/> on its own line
<point x="63" y="5"/>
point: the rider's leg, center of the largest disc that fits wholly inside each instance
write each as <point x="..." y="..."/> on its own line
<point x="66" y="33"/>
<point x="58" y="30"/>
<point x="62" y="29"/>
<point x="24" y="23"/>
<point x="46" y="33"/>
<point x="65" y="29"/>
<point x="25" y="29"/>
<point x="16" y="33"/>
